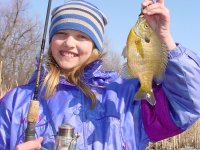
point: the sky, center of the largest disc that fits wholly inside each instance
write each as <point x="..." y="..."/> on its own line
<point x="123" y="14"/>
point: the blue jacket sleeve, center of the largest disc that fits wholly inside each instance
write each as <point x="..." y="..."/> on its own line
<point x="5" y="121"/>
<point x="181" y="86"/>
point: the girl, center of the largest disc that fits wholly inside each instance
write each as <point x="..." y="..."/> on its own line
<point x="99" y="104"/>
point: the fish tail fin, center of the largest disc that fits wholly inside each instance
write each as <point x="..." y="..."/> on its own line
<point x="147" y="95"/>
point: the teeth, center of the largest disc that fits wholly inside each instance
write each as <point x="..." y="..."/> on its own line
<point x="68" y="54"/>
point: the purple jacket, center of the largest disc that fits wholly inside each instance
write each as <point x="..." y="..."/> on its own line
<point x="117" y="122"/>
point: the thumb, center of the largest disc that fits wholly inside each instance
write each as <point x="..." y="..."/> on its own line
<point x="40" y="139"/>
<point x="35" y="144"/>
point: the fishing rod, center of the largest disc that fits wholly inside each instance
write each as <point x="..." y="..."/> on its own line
<point x="33" y="111"/>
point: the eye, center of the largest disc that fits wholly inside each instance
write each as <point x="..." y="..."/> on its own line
<point x="60" y="35"/>
<point x="146" y="26"/>
<point x="82" y="37"/>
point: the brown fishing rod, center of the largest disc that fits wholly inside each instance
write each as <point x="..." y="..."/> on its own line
<point x="32" y="116"/>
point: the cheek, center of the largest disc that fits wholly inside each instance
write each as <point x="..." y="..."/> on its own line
<point x="86" y="49"/>
<point x="86" y="52"/>
<point x="85" y="55"/>
<point x="53" y="47"/>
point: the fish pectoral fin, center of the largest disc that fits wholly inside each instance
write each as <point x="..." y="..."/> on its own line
<point x="147" y="95"/>
<point x="159" y="79"/>
<point x="130" y="71"/>
<point x="126" y="72"/>
<point x="139" y="47"/>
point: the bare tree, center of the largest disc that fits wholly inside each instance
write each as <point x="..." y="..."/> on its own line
<point x="112" y="61"/>
<point x="19" y="41"/>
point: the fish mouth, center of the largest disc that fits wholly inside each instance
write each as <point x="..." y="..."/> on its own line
<point x="139" y="31"/>
<point x="141" y="15"/>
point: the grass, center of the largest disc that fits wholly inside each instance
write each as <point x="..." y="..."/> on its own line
<point x="189" y="139"/>
<point x="3" y="87"/>
<point x="2" y="91"/>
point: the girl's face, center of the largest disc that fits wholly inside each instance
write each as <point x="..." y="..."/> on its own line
<point x="71" y="48"/>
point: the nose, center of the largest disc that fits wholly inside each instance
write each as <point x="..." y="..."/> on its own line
<point x="69" y="41"/>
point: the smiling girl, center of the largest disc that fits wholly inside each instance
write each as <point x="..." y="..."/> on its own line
<point x="100" y="104"/>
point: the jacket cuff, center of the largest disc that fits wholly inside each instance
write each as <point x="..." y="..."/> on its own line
<point x="177" y="51"/>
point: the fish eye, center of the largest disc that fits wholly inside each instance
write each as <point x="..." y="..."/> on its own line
<point x="146" y="26"/>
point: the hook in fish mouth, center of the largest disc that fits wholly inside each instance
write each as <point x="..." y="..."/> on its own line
<point x="141" y="13"/>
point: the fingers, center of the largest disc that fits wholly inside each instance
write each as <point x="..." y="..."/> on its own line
<point x="39" y="140"/>
<point x="153" y="1"/>
<point x="156" y="8"/>
<point x="160" y="1"/>
<point x="146" y="3"/>
<point x="30" y="145"/>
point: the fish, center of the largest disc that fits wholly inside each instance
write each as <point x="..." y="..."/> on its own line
<point x="146" y="58"/>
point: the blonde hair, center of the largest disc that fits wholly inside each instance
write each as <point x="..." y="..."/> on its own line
<point x="73" y="76"/>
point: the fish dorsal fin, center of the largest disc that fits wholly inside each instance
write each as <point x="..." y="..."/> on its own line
<point x="124" y="52"/>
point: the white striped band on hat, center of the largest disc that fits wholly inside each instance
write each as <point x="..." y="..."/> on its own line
<point x="82" y="16"/>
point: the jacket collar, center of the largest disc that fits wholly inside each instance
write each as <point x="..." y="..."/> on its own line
<point x="92" y="72"/>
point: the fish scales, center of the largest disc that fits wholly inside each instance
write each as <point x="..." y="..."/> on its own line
<point x="146" y="58"/>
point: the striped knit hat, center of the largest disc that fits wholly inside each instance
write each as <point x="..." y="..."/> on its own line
<point x="82" y="16"/>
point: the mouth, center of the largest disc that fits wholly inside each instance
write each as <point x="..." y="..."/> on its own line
<point x="68" y="54"/>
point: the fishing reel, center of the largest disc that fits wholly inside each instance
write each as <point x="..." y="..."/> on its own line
<point x="66" y="138"/>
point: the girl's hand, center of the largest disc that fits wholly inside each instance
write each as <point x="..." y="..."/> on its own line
<point x="30" y="145"/>
<point x="159" y="19"/>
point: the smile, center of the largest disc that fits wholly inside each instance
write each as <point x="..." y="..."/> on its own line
<point x="68" y="54"/>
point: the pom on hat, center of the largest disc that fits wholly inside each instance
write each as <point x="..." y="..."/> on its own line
<point x="82" y="16"/>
